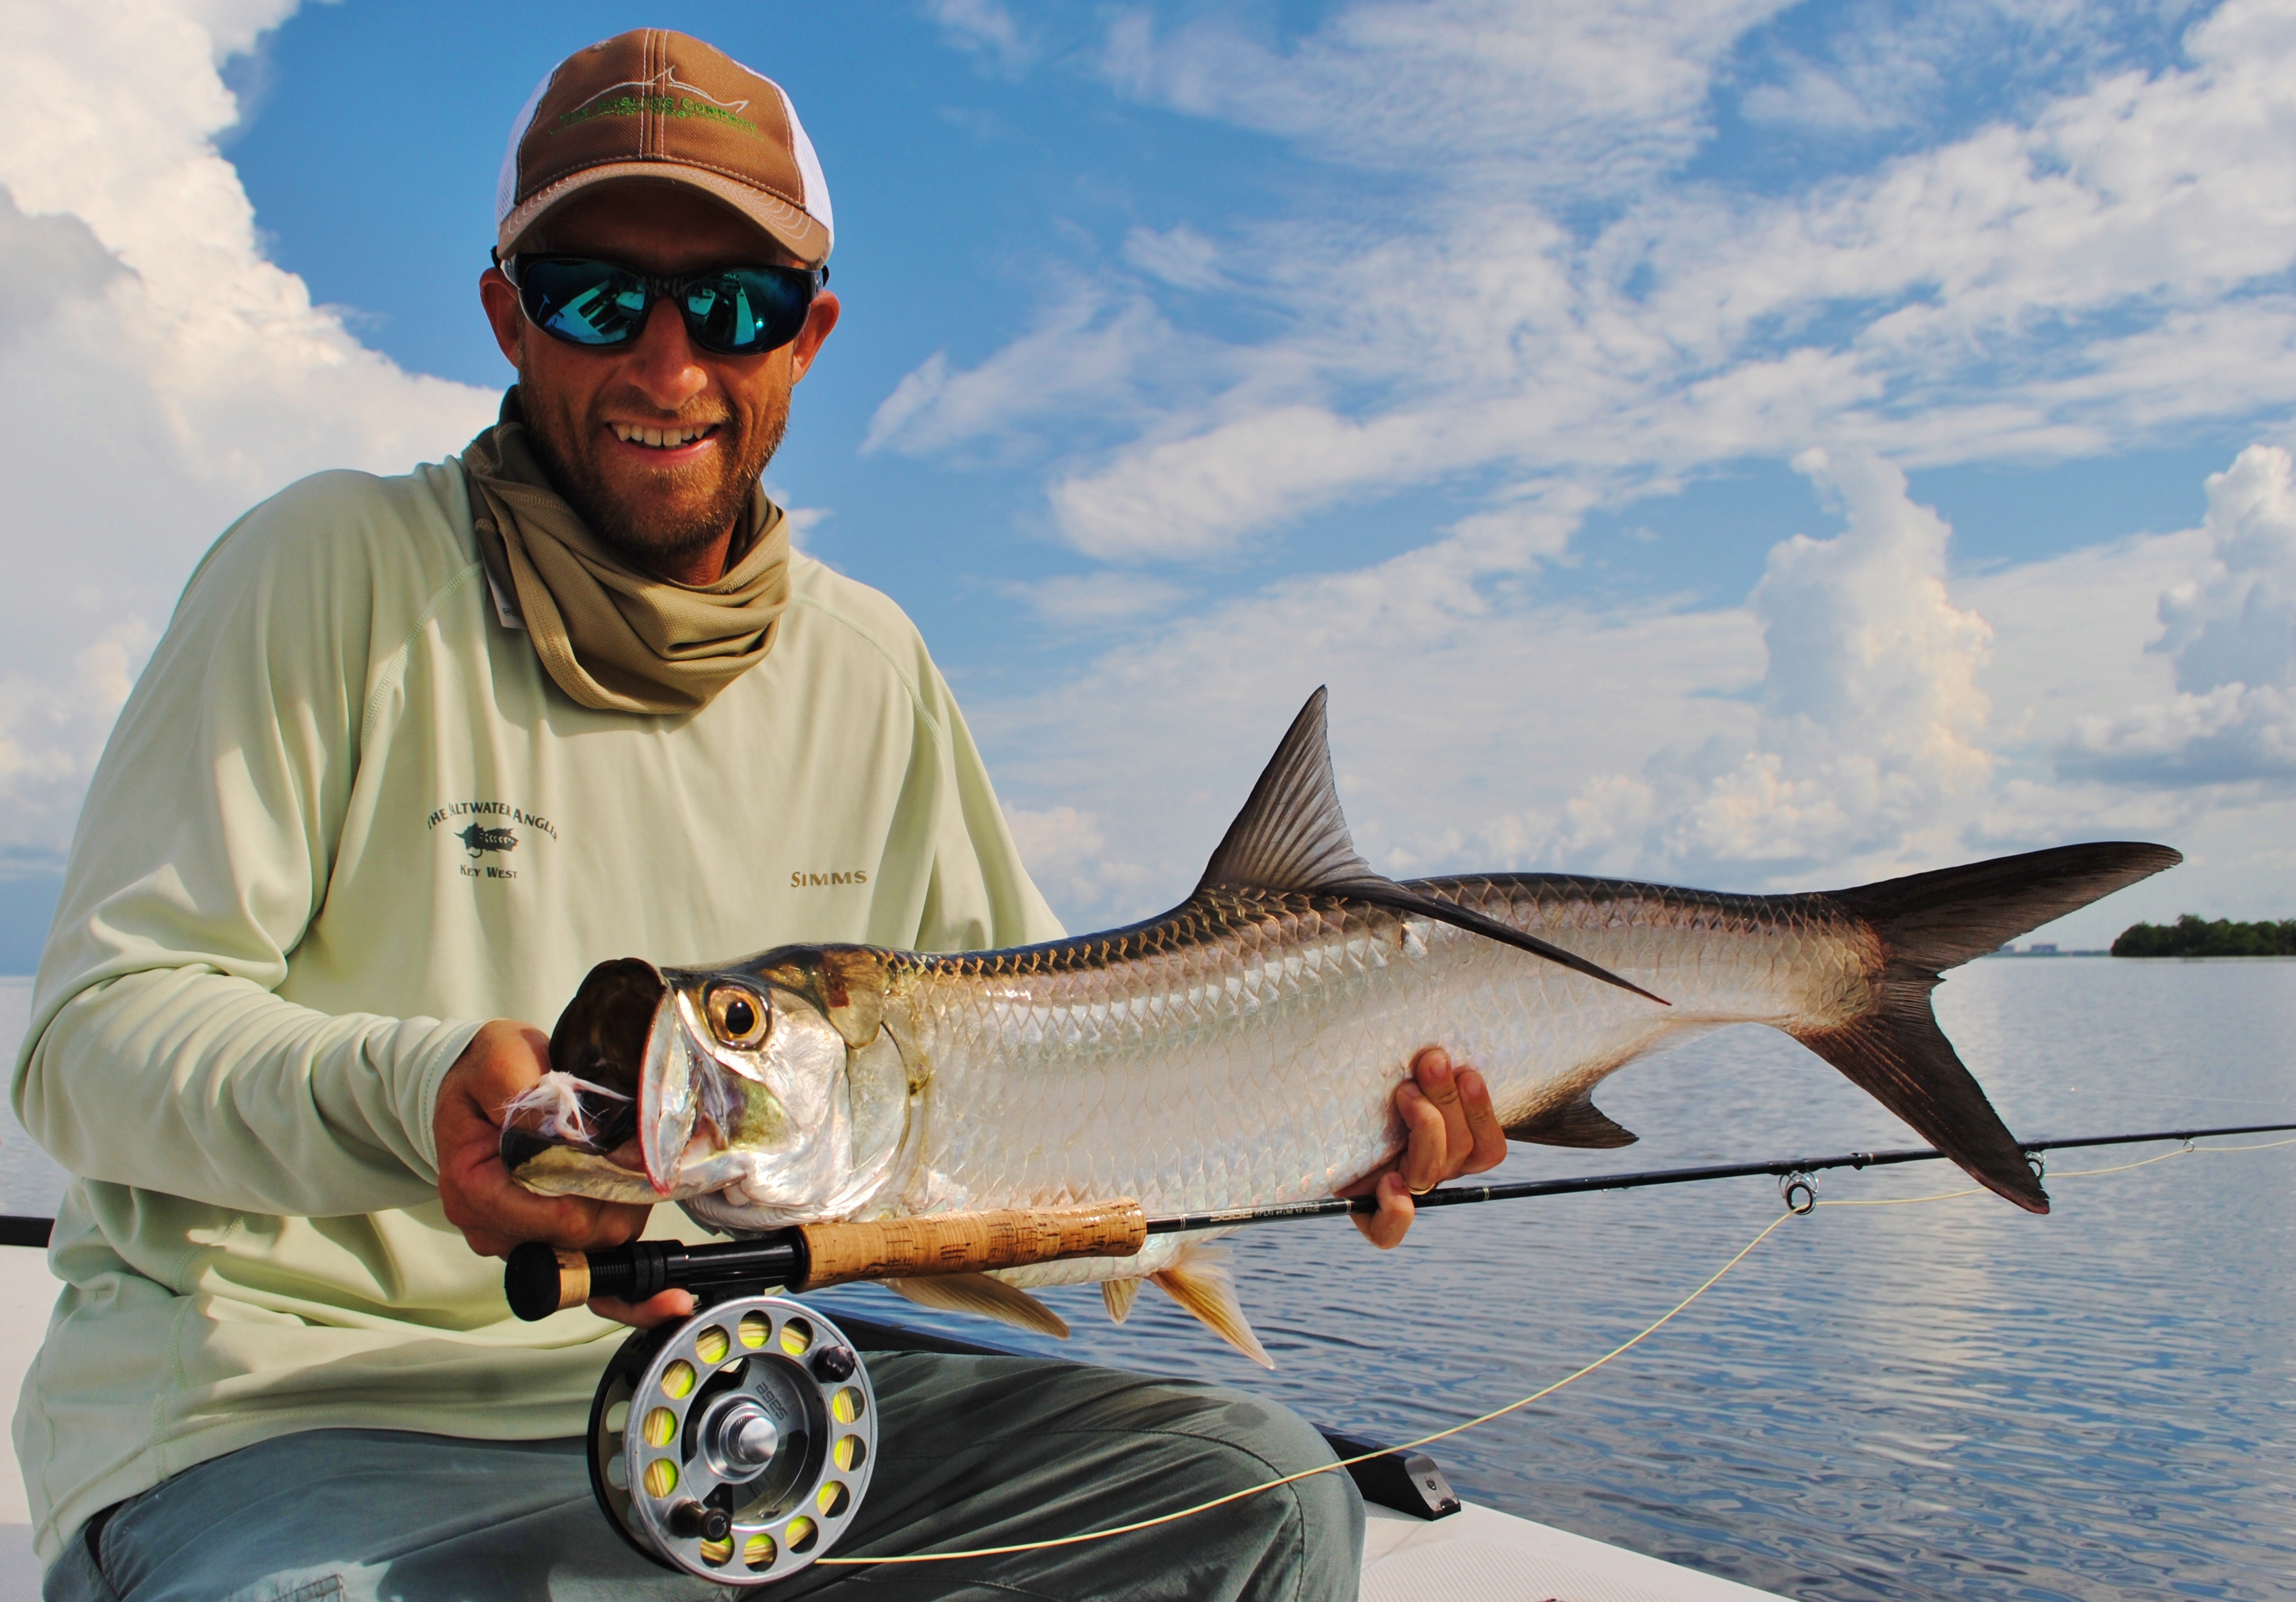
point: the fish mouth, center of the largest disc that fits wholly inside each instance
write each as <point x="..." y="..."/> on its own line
<point x="669" y="1098"/>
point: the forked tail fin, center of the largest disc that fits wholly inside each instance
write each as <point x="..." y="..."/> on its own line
<point x="1928" y="923"/>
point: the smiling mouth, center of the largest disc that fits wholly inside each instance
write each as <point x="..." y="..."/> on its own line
<point x="662" y="439"/>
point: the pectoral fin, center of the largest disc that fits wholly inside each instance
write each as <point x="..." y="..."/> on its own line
<point x="1577" y="1122"/>
<point x="1117" y="1295"/>
<point x="987" y="1298"/>
<point x="1198" y="1281"/>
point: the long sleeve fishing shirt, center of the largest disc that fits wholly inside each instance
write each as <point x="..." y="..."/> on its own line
<point x="344" y="818"/>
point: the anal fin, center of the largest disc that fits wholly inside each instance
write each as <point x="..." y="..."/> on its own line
<point x="983" y="1297"/>
<point x="1577" y="1122"/>
<point x="1117" y="1295"/>
<point x="1198" y="1281"/>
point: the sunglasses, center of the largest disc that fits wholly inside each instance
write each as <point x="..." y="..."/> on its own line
<point x="730" y="311"/>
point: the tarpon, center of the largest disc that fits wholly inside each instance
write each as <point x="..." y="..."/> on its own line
<point x="1244" y="1048"/>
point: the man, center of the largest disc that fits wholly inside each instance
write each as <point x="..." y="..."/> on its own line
<point x="414" y="754"/>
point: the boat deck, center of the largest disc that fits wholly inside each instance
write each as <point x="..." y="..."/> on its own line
<point x="1476" y="1555"/>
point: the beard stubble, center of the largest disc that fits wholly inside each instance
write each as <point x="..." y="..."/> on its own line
<point x="650" y="529"/>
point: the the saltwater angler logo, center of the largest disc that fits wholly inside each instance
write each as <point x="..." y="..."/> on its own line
<point x="481" y="839"/>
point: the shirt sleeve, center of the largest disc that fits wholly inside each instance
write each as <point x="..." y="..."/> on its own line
<point x="156" y="1055"/>
<point x="979" y="897"/>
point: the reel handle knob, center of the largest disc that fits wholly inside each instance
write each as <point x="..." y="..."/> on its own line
<point x="696" y="1522"/>
<point x="833" y="1363"/>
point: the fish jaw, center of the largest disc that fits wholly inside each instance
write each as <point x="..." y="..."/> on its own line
<point x="670" y="1092"/>
<point x="760" y="1107"/>
<point x="776" y="1140"/>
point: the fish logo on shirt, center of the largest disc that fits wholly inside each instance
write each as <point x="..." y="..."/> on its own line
<point x="478" y="839"/>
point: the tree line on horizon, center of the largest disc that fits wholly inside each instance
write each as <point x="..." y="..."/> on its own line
<point x="2190" y="936"/>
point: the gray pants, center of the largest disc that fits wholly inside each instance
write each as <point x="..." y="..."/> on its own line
<point x="972" y="1451"/>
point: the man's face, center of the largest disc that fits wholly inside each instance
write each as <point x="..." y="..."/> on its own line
<point x="669" y="506"/>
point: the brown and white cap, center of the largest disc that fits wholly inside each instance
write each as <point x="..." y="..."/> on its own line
<point x="651" y="103"/>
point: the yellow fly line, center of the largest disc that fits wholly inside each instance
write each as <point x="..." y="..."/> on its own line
<point x="1620" y="1349"/>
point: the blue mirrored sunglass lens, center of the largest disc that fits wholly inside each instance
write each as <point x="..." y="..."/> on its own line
<point x="748" y="311"/>
<point x="742" y="312"/>
<point x="588" y="305"/>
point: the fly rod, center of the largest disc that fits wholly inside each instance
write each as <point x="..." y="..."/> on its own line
<point x="539" y="1280"/>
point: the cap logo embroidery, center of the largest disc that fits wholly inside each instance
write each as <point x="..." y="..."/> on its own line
<point x="665" y="94"/>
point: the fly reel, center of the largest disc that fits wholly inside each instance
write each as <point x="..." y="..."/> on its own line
<point x="737" y="1445"/>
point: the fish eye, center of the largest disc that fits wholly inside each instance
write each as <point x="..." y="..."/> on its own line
<point x="738" y="1016"/>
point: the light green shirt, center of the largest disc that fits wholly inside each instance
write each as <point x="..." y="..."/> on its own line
<point x="344" y="818"/>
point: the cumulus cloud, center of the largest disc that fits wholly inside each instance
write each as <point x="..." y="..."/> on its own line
<point x="1862" y="738"/>
<point x="161" y="376"/>
<point x="1866" y="711"/>
<point x="2230" y="629"/>
<point x="1872" y="716"/>
<point x="1581" y="94"/>
<point x="1078" y="601"/>
<point x="2104" y="259"/>
<point x="1508" y="279"/>
<point x="1198" y="497"/>
<point x="1068" y="856"/>
<point x="1084" y="344"/>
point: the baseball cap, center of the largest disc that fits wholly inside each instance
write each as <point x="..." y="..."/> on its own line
<point x="654" y="103"/>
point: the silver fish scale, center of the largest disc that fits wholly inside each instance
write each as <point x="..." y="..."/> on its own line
<point x="1246" y="1049"/>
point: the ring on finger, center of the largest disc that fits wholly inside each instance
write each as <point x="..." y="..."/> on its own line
<point x="1419" y="1190"/>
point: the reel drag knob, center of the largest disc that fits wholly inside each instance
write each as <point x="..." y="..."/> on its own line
<point x="737" y="1445"/>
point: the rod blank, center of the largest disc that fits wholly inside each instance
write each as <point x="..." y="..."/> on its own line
<point x="540" y="1280"/>
<point x="1467" y="1196"/>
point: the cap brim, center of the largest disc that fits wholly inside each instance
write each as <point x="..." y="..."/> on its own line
<point x="788" y="225"/>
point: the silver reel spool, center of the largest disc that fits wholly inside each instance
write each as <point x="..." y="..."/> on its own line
<point x="737" y="1445"/>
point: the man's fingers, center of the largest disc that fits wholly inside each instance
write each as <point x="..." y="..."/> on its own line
<point x="1433" y="1071"/>
<point x="1490" y="1143"/>
<point x="497" y="1213"/>
<point x="494" y="1212"/>
<point x="1386" y="1227"/>
<point x="511" y="1061"/>
<point x="1426" y="1137"/>
<point x="658" y="1309"/>
<point x="1449" y="1129"/>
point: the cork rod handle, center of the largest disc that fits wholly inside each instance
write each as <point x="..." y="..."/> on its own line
<point x="966" y="1242"/>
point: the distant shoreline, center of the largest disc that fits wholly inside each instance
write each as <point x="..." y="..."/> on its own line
<point x="2192" y="936"/>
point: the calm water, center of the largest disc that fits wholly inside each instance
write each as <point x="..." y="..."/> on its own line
<point x="1952" y="1400"/>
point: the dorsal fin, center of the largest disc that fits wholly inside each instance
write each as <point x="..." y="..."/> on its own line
<point x="1291" y="835"/>
<point x="1577" y="1122"/>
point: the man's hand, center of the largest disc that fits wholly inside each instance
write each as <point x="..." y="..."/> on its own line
<point x="494" y="1211"/>
<point x="1449" y="1129"/>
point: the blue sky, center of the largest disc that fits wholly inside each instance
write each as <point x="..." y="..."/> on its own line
<point x="1751" y="443"/>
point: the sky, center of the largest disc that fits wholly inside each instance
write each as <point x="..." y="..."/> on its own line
<point x="1757" y="446"/>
